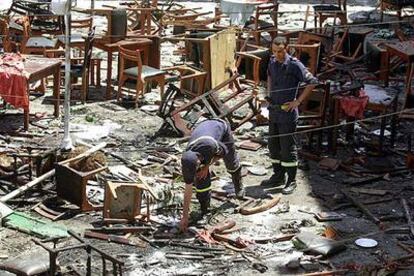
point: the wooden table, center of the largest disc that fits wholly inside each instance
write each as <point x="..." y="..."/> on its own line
<point x="142" y="44"/>
<point x="405" y="51"/>
<point x="39" y="68"/>
<point x="381" y="100"/>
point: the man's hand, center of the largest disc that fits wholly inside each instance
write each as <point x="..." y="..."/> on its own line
<point x="292" y="105"/>
<point x="202" y="172"/>
<point x="184" y="224"/>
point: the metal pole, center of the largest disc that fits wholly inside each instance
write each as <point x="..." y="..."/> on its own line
<point x="67" y="141"/>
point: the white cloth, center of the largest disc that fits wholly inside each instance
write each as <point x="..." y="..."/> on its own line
<point x="238" y="10"/>
<point x="58" y="7"/>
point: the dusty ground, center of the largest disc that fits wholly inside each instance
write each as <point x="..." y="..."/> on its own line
<point x="130" y="133"/>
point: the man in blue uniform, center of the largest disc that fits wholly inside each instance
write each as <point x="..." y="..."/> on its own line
<point x="285" y="74"/>
<point x="209" y="141"/>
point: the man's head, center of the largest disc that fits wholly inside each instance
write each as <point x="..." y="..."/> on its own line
<point x="190" y="162"/>
<point x="279" y="48"/>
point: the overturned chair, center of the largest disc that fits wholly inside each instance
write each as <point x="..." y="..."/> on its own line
<point x="237" y="107"/>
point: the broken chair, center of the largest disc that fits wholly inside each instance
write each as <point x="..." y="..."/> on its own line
<point x="35" y="44"/>
<point x="252" y="62"/>
<point x="256" y="26"/>
<point x="71" y="185"/>
<point x="313" y="113"/>
<point x="307" y="54"/>
<point x="124" y="200"/>
<point x="324" y="11"/>
<point x="192" y="80"/>
<point x="237" y="107"/>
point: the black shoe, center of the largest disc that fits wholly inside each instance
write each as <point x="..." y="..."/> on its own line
<point x="237" y="180"/>
<point x="205" y="207"/>
<point x="276" y="180"/>
<point x="240" y="192"/>
<point x="289" y="188"/>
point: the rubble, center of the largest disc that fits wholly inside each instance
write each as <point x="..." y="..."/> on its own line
<point x="121" y="187"/>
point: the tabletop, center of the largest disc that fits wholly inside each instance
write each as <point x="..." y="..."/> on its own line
<point x="404" y="47"/>
<point x="35" y="65"/>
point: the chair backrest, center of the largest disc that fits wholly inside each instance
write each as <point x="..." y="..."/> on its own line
<point x="308" y="55"/>
<point x="126" y="55"/>
<point x="84" y="23"/>
<point x="270" y="10"/>
<point x="5" y="36"/>
<point x="341" y="4"/>
<point x="88" y="49"/>
<point x="317" y="102"/>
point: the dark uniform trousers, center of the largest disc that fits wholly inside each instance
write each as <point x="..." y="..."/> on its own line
<point x="283" y="149"/>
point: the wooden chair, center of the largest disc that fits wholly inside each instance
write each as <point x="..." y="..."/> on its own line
<point x="256" y="26"/>
<point x="35" y="44"/>
<point x="5" y="42"/>
<point x="324" y="11"/>
<point x="80" y="67"/>
<point x="42" y="20"/>
<point x="307" y="54"/>
<point x="140" y="72"/>
<point x="192" y="80"/>
<point x="78" y="28"/>
<point x="252" y="61"/>
<point x="313" y="113"/>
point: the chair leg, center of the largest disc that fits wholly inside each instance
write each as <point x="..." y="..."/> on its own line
<point x="140" y="90"/>
<point x="84" y="87"/>
<point x="161" y="83"/>
<point x="120" y="84"/>
<point x="98" y="73"/>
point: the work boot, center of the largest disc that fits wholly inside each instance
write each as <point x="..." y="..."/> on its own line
<point x="291" y="182"/>
<point x="237" y="180"/>
<point x="278" y="177"/>
<point x="205" y="206"/>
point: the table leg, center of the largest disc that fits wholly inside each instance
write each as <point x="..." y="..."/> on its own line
<point x="26" y="119"/>
<point x="56" y="91"/>
<point x="334" y="118"/>
<point x="26" y="114"/>
<point x="109" y="77"/>
<point x="387" y="75"/>
<point x="382" y="131"/>
<point x="394" y="119"/>
<point x="409" y="79"/>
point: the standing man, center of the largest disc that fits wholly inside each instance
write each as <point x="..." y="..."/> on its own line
<point x="285" y="74"/>
<point x="209" y="141"/>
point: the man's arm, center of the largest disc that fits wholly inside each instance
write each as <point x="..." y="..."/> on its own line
<point x="311" y="83"/>
<point x="269" y="82"/>
<point x="186" y="207"/>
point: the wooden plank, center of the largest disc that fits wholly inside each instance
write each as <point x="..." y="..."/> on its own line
<point x="222" y="56"/>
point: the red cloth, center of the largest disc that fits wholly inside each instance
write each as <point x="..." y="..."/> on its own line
<point x="13" y="81"/>
<point x="354" y="106"/>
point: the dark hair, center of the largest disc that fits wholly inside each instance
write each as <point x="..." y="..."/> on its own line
<point x="280" y="40"/>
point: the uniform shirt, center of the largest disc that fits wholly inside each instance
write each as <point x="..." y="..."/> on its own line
<point x="285" y="80"/>
<point x="205" y="143"/>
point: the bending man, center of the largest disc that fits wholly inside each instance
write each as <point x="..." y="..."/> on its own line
<point x="209" y="141"/>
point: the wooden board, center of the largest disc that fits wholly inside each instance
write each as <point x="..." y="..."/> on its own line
<point x="222" y="52"/>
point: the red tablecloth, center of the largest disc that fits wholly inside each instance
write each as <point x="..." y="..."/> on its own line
<point x="13" y="81"/>
<point x="354" y="106"/>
